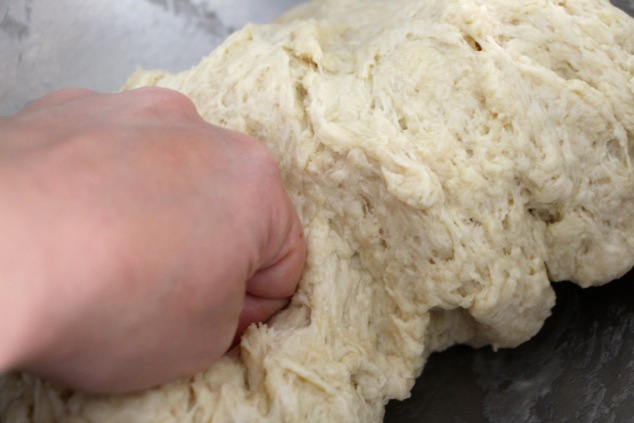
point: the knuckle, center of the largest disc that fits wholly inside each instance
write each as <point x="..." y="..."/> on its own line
<point x="157" y="97"/>
<point x="256" y="157"/>
<point x="264" y="158"/>
<point x="72" y="92"/>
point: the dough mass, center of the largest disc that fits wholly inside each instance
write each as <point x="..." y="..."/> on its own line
<point x="447" y="157"/>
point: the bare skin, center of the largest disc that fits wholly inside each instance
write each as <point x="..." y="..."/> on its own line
<point x="138" y="240"/>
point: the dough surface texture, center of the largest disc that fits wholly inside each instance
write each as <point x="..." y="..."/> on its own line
<point x="448" y="159"/>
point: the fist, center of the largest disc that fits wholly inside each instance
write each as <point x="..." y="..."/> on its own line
<point x="139" y="239"/>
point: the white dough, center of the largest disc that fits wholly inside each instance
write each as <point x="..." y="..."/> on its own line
<point x="447" y="158"/>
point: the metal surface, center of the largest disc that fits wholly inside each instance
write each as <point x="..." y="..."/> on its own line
<point x="580" y="368"/>
<point x="51" y="44"/>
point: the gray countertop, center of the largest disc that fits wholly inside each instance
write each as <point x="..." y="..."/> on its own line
<point x="580" y="368"/>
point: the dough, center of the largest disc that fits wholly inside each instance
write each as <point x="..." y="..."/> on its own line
<point x="447" y="157"/>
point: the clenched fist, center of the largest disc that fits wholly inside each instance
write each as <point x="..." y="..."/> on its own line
<point x="137" y="240"/>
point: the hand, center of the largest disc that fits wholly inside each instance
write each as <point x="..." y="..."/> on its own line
<point x="138" y="240"/>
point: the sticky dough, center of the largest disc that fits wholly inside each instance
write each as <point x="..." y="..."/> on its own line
<point x="447" y="158"/>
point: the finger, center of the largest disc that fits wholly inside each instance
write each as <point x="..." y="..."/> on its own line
<point x="257" y="310"/>
<point x="59" y="97"/>
<point x="279" y="278"/>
